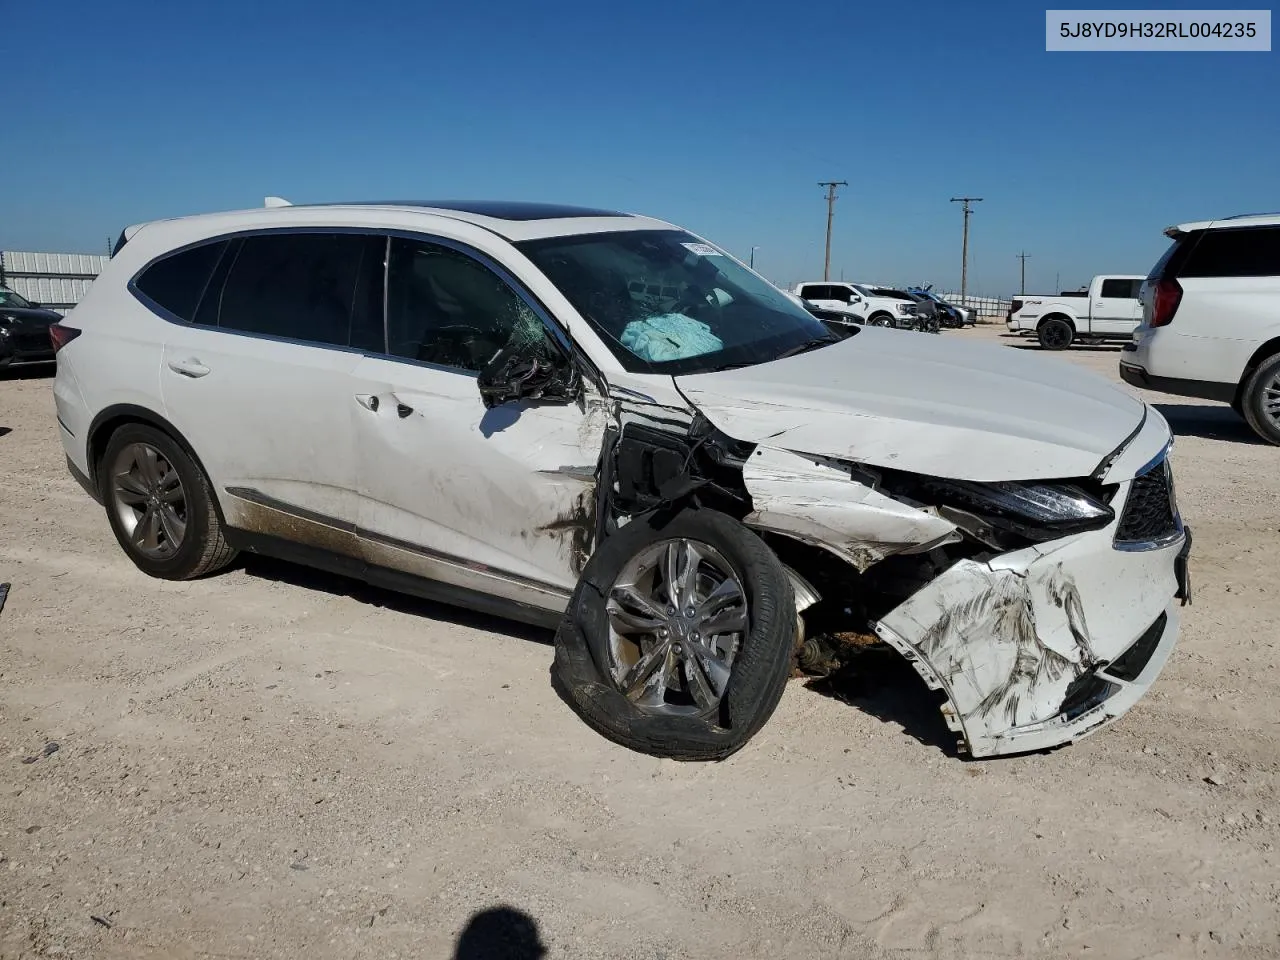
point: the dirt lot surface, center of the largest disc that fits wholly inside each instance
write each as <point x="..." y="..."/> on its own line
<point x="275" y="763"/>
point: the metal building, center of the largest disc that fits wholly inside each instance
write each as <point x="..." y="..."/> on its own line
<point x="54" y="280"/>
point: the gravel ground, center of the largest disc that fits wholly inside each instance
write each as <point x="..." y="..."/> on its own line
<point x="275" y="763"/>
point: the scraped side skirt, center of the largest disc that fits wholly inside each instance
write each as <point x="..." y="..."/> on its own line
<point x="262" y="524"/>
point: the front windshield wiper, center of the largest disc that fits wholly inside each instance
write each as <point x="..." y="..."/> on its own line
<point x="808" y="345"/>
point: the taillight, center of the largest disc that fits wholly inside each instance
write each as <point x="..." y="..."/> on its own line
<point x="61" y="335"/>
<point x="1166" y="296"/>
<point x="1015" y="305"/>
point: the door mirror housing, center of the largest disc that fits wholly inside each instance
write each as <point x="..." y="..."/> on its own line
<point x="528" y="373"/>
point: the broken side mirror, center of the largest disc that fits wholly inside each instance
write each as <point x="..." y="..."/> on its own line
<point x="528" y="373"/>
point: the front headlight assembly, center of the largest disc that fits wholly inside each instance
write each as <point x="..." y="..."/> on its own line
<point x="1037" y="511"/>
<point x="1003" y="514"/>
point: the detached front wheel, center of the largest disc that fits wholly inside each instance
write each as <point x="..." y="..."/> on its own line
<point x="680" y="636"/>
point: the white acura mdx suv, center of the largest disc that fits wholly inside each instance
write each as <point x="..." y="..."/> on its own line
<point x="601" y="421"/>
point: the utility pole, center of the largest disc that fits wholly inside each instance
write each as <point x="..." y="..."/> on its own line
<point x="1024" y="257"/>
<point x="752" y="264"/>
<point x="1057" y="282"/>
<point x="964" y="249"/>
<point x="831" y="210"/>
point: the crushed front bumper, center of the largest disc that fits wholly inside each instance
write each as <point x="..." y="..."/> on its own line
<point x="1043" y="646"/>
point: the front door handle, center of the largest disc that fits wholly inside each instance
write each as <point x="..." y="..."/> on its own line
<point x="191" y="367"/>
<point x="368" y="401"/>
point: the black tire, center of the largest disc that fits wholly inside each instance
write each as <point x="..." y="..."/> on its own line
<point x="760" y="669"/>
<point x="1254" y="396"/>
<point x="1055" y="334"/>
<point x="202" y="549"/>
<point x="880" y="320"/>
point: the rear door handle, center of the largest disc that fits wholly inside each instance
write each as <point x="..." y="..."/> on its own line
<point x="403" y="410"/>
<point x="191" y="367"/>
<point x="368" y="401"/>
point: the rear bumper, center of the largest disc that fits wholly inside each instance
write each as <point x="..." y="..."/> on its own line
<point x="83" y="480"/>
<point x="1138" y="376"/>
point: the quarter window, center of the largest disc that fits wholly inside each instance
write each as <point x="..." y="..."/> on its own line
<point x="1238" y="252"/>
<point x="176" y="282"/>
<point x="447" y="308"/>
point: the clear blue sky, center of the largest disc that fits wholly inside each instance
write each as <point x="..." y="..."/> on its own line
<point x="721" y="116"/>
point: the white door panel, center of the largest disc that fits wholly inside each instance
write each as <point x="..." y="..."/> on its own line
<point x="269" y="419"/>
<point x="473" y="496"/>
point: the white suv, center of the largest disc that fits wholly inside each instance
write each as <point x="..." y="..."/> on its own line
<point x="859" y="302"/>
<point x="591" y="420"/>
<point x="1211" y="319"/>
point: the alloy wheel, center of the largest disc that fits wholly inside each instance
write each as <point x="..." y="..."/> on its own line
<point x="1271" y="400"/>
<point x="677" y="618"/>
<point x="149" y="500"/>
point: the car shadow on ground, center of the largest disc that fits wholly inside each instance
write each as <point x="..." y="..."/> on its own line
<point x="309" y="578"/>
<point x="1033" y="344"/>
<point x="1212" y="421"/>
<point x="879" y="682"/>
<point x="4" y="430"/>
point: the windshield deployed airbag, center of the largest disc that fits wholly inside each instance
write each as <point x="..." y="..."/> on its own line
<point x="669" y="336"/>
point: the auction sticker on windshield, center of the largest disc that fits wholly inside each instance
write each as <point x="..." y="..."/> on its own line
<point x="702" y="249"/>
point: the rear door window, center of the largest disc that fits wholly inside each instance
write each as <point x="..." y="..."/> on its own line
<point x="322" y="288"/>
<point x="177" y="282"/>
<point x="1120" y="289"/>
<point x="1235" y="252"/>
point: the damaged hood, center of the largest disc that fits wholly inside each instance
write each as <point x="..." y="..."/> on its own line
<point x="925" y="404"/>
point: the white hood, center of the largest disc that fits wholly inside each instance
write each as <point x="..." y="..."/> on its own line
<point x="926" y="404"/>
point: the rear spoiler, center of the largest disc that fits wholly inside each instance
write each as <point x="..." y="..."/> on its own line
<point x="126" y="235"/>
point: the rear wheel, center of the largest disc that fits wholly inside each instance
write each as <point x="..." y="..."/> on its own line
<point x="1055" y="334"/>
<point x="680" y="636"/>
<point x="160" y="505"/>
<point x="1260" y="400"/>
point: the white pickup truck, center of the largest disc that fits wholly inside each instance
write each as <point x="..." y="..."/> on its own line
<point x="1108" y="310"/>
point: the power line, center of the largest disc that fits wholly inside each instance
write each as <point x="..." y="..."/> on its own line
<point x="1024" y="257"/>
<point x="831" y="210"/>
<point x="964" y="249"/>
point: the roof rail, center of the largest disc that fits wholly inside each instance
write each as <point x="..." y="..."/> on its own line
<point x="1241" y="216"/>
<point x="276" y="202"/>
